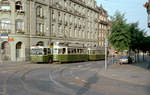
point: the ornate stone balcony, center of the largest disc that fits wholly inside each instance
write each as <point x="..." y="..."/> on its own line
<point x="53" y="20"/>
<point x="5" y="11"/>
<point x="40" y="34"/>
<point x="20" y="31"/>
<point x="20" y="12"/>
<point x="4" y="2"/>
<point x="5" y="31"/>
<point x="60" y="22"/>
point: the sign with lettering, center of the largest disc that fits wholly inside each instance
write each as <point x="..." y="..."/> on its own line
<point x="4" y="37"/>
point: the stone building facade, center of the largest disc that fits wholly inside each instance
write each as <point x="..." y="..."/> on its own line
<point x="104" y="26"/>
<point x="26" y="23"/>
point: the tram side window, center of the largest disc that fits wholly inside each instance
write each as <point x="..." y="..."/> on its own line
<point x="64" y="50"/>
<point x="49" y="51"/>
<point x="45" y="51"/>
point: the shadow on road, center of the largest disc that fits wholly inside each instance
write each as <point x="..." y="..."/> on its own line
<point x="87" y="86"/>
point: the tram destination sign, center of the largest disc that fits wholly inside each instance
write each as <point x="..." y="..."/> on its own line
<point x="4" y="37"/>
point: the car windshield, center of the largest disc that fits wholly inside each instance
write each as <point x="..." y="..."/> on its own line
<point x="124" y="57"/>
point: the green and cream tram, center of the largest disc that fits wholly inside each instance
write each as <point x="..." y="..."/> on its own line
<point x="40" y="54"/>
<point x="96" y="54"/>
<point x="69" y="54"/>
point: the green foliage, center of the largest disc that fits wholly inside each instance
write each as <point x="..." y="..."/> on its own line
<point x="137" y="37"/>
<point x="119" y="37"/>
<point x="127" y="36"/>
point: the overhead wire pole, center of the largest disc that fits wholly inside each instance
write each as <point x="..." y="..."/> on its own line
<point x="106" y="49"/>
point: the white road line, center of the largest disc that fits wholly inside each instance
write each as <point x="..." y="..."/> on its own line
<point x="84" y="81"/>
<point x="77" y="78"/>
<point x="71" y="72"/>
<point x="51" y="78"/>
<point x="80" y="66"/>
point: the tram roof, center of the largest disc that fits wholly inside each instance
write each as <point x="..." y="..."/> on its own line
<point x="38" y="47"/>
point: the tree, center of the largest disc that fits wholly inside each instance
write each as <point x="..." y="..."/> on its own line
<point x="119" y="37"/>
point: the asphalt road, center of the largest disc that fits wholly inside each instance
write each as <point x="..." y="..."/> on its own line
<point x="64" y="79"/>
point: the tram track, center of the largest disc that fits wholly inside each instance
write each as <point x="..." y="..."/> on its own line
<point x="23" y="71"/>
<point x="5" y="81"/>
<point x="58" y="75"/>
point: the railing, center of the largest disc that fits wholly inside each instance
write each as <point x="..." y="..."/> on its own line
<point x="6" y="2"/>
<point x="5" y="31"/>
<point x="40" y="16"/>
<point x="40" y="34"/>
<point x="20" y="31"/>
<point x="20" y="12"/>
<point x="5" y="11"/>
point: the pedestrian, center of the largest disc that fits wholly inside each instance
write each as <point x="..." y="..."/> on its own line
<point x="148" y="65"/>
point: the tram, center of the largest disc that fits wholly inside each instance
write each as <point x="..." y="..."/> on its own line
<point x="69" y="54"/>
<point x="65" y="54"/>
<point x="41" y="54"/>
<point x="95" y="54"/>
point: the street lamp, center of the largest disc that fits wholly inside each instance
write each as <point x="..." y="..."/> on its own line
<point x="147" y="6"/>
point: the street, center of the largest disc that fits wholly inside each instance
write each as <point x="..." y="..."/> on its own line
<point x="63" y="79"/>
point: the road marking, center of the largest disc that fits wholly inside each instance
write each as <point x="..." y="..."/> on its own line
<point x="88" y="64"/>
<point x="77" y="78"/>
<point x="71" y="72"/>
<point x="80" y="66"/>
<point x="84" y="81"/>
<point x="51" y="78"/>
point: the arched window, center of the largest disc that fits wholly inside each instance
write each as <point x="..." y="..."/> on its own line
<point x="40" y="43"/>
<point x="18" y="6"/>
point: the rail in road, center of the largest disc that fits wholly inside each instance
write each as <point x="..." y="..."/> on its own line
<point x="57" y="75"/>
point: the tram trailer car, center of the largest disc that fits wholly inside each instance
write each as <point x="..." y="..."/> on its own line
<point x="69" y="54"/>
<point x="95" y="54"/>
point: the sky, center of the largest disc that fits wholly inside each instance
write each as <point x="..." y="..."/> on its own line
<point x="133" y="10"/>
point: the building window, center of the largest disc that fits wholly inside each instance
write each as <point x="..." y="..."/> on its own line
<point x="40" y="29"/>
<point x="18" y="6"/>
<point x="5" y="6"/>
<point x="19" y="26"/>
<point x="40" y="12"/>
<point x="4" y="26"/>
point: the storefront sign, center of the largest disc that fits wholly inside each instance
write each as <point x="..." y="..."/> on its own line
<point x="4" y="37"/>
<point x="10" y="39"/>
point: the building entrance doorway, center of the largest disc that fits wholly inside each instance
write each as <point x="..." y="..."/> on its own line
<point x="19" y="51"/>
<point x="5" y="51"/>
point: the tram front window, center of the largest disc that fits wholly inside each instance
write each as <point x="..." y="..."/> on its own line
<point x="36" y="52"/>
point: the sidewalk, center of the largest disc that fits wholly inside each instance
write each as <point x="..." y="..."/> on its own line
<point x="136" y="73"/>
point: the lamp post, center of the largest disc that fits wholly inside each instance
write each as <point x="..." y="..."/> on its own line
<point x="106" y="49"/>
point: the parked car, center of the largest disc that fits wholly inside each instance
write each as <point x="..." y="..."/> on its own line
<point x="125" y="59"/>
